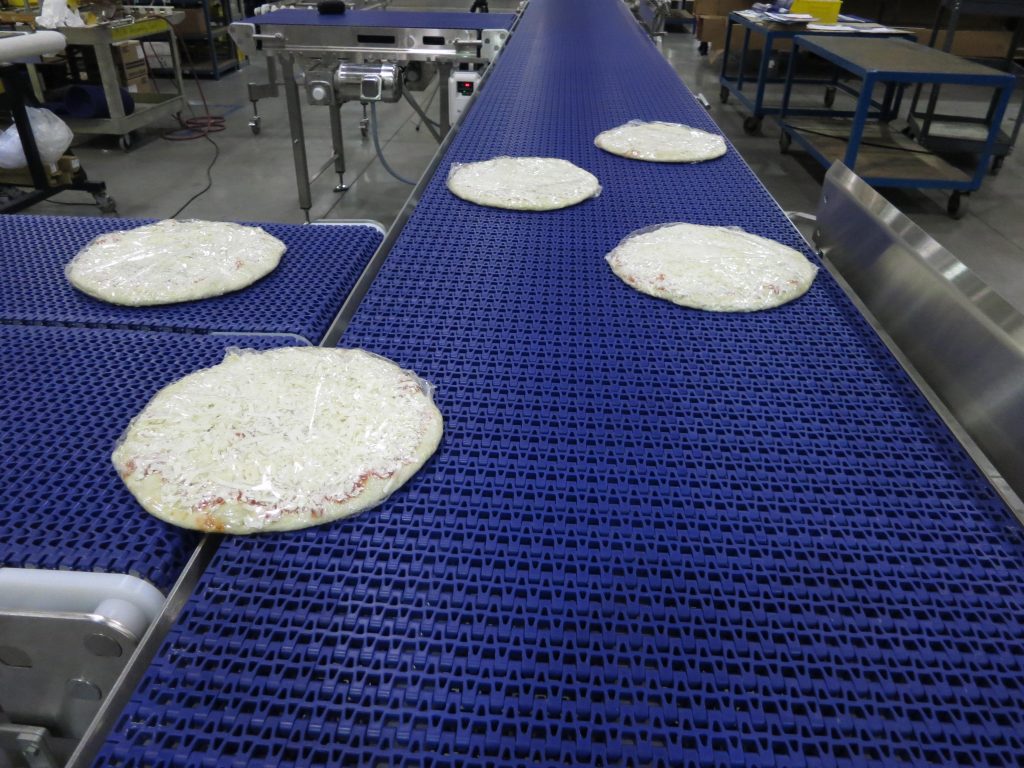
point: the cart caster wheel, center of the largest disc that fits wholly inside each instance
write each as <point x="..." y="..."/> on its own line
<point x="125" y="142"/>
<point x="997" y="163"/>
<point x="254" y="126"/>
<point x="723" y="95"/>
<point x="751" y="125"/>
<point x="702" y="49"/>
<point x="105" y="203"/>
<point x="830" y="96"/>
<point x="785" y="141"/>
<point x="957" y="205"/>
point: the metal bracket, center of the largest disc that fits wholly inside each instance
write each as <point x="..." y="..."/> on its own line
<point x="27" y="745"/>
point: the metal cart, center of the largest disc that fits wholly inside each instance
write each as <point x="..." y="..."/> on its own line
<point x="149" y="107"/>
<point x="880" y="155"/>
<point x="767" y="72"/>
<point x="944" y="132"/>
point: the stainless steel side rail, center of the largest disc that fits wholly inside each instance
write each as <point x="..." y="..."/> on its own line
<point x="957" y="337"/>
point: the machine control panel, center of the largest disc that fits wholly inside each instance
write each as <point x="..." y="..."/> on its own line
<point x="461" y="87"/>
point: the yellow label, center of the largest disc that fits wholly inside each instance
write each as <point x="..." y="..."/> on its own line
<point x="139" y="29"/>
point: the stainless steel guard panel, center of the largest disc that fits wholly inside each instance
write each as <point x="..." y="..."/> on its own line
<point x="960" y="335"/>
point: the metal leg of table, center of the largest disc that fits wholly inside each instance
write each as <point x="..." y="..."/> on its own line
<point x="444" y="73"/>
<point x="762" y="74"/>
<point x="859" y="121"/>
<point x="744" y="48"/>
<point x="726" y="50"/>
<point x="109" y="81"/>
<point x="1003" y="99"/>
<point x="339" y="146"/>
<point x="291" y="96"/>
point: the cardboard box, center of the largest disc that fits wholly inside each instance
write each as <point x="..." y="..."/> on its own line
<point x="133" y="71"/>
<point x="143" y="85"/>
<point x="194" y="23"/>
<point x="718" y="7"/>
<point x="128" y="51"/>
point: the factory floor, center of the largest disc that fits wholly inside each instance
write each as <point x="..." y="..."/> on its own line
<point x="253" y="177"/>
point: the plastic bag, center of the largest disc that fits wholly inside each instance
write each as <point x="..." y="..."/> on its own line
<point x="660" y="142"/>
<point x="279" y="440"/>
<point x="55" y="13"/>
<point x="52" y="135"/>
<point x="523" y="183"/>
<point x="719" y="269"/>
<point x="173" y="261"/>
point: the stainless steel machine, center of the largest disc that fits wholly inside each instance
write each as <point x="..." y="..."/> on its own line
<point x="367" y="56"/>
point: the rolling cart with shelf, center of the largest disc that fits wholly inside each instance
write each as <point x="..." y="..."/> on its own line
<point x="776" y="40"/>
<point x="149" y="107"/>
<point x="955" y="133"/>
<point x="882" y="156"/>
<point x="220" y="55"/>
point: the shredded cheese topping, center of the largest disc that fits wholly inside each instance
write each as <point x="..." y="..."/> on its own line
<point x="173" y="261"/>
<point x="523" y="183"/>
<point x="277" y="440"/>
<point x="712" y="268"/>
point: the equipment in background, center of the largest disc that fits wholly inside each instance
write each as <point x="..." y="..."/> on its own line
<point x="367" y="56"/>
<point x="461" y="87"/>
<point x="66" y="637"/>
<point x="41" y="180"/>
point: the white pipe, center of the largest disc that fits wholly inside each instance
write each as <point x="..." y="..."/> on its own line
<point x="35" y="44"/>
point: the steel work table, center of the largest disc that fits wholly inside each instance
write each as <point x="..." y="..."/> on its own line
<point x="884" y="158"/>
<point x="300" y="297"/>
<point x="773" y="33"/>
<point x="651" y="535"/>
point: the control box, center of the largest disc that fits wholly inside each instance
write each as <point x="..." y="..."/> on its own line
<point x="461" y="87"/>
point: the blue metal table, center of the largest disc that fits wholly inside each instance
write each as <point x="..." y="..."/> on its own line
<point x="66" y="395"/>
<point x="300" y="297"/>
<point x="772" y="34"/>
<point x="886" y="159"/>
<point x="651" y="535"/>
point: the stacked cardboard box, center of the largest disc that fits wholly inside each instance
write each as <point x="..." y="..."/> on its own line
<point x="712" y="16"/>
<point x="131" y="65"/>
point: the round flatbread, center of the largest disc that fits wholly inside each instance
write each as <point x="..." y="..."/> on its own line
<point x="523" y="183"/>
<point x="661" y="142"/>
<point x="278" y="440"/>
<point x="173" y="261"/>
<point x="714" y="268"/>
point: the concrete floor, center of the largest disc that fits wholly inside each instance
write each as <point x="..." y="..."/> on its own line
<point x="253" y="179"/>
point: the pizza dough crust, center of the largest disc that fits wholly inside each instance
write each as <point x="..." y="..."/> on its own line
<point x="279" y="440"/>
<point x="523" y="183"/>
<point x="718" y="269"/>
<point x="659" y="142"/>
<point x="173" y="261"/>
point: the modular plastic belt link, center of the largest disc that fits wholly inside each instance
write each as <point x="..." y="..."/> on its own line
<point x="300" y="297"/>
<point x="651" y="535"/>
<point x="66" y="395"/>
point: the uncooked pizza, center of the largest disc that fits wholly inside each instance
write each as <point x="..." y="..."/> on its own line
<point x="173" y="261"/>
<point x="523" y="183"/>
<point x="659" y="142"/>
<point x="279" y="440"/>
<point x="714" y="268"/>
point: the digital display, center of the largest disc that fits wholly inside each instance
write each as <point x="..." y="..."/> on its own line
<point x="465" y="87"/>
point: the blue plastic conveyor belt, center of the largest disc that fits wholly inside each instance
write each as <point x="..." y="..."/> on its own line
<point x="66" y="395"/>
<point x="386" y="19"/>
<point x="301" y="296"/>
<point x="651" y="535"/>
